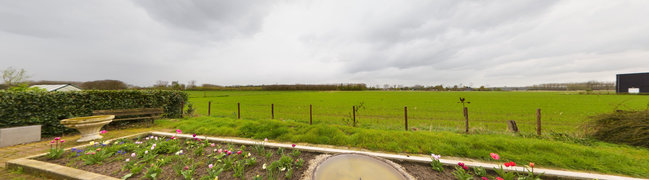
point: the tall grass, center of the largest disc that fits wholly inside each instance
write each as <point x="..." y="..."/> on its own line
<point x="628" y="127"/>
<point x="549" y="153"/>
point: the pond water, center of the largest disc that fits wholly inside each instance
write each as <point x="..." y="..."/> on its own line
<point x="355" y="167"/>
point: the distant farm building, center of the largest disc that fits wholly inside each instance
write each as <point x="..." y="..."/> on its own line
<point x="632" y="83"/>
<point x="58" y="87"/>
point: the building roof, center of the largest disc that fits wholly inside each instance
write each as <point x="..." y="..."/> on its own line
<point x="634" y="73"/>
<point x="54" y="87"/>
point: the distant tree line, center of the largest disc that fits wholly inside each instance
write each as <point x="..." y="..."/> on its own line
<point x="587" y="86"/>
<point x="433" y="88"/>
<point x="212" y="87"/>
<point x="282" y="87"/>
<point x="315" y="87"/>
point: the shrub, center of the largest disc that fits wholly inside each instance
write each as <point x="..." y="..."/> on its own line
<point x="48" y="108"/>
<point x="626" y="127"/>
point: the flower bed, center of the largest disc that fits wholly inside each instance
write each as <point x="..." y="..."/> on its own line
<point x="158" y="157"/>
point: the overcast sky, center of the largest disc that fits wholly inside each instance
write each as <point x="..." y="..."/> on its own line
<point x="240" y="42"/>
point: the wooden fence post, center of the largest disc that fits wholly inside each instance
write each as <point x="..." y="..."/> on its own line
<point x="511" y="125"/>
<point x="272" y="111"/>
<point x="405" y="114"/>
<point x="310" y="114"/>
<point x="209" y="108"/>
<point x="466" y="119"/>
<point x="238" y="110"/>
<point x="354" y="116"/>
<point x="538" y="121"/>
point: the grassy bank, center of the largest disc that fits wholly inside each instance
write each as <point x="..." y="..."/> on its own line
<point x="545" y="152"/>
<point x="561" y="111"/>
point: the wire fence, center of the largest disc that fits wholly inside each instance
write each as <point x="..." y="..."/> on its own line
<point x="393" y="118"/>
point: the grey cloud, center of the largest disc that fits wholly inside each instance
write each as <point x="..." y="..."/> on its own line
<point x="430" y="34"/>
<point x="265" y="42"/>
<point x="216" y="19"/>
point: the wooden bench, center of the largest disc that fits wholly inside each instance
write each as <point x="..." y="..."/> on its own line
<point x="132" y="114"/>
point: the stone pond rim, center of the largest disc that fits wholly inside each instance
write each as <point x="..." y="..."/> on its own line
<point x="354" y="166"/>
<point x="87" y="119"/>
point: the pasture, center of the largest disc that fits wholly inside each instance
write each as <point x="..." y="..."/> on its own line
<point x="562" y="112"/>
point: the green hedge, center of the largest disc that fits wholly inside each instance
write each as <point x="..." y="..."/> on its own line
<point x="48" y="108"/>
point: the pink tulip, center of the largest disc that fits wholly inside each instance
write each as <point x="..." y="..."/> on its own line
<point x="494" y="156"/>
<point x="239" y="152"/>
<point x="210" y="166"/>
<point x="53" y="141"/>
<point x="178" y="131"/>
<point x="103" y="131"/>
<point x="57" y="138"/>
<point x="293" y="145"/>
<point x="62" y="141"/>
<point x="220" y="151"/>
<point x="212" y="144"/>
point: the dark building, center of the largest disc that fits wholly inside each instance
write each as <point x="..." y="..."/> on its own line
<point x="632" y="81"/>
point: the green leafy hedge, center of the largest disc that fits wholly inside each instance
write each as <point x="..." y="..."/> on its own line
<point x="48" y="108"/>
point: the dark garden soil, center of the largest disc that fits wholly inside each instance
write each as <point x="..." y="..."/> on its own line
<point x="116" y="165"/>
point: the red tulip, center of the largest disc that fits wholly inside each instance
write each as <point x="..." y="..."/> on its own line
<point x="506" y="164"/>
<point x="499" y="178"/>
<point x="460" y="164"/>
<point x="511" y="163"/>
<point x="484" y="178"/>
<point x="532" y="164"/>
<point x="465" y="168"/>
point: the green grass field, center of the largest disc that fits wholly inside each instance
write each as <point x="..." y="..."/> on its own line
<point x="562" y="112"/>
<point x="544" y="151"/>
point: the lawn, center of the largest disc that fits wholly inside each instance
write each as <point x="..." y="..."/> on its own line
<point x="562" y="112"/>
<point x="544" y="151"/>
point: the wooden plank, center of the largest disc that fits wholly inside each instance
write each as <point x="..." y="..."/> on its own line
<point x="134" y="118"/>
<point x="128" y="110"/>
<point x="129" y="113"/>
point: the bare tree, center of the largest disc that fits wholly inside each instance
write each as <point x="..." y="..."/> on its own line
<point x="161" y="84"/>
<point x="191" y="84"/>
<point x="12" y="77"/>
